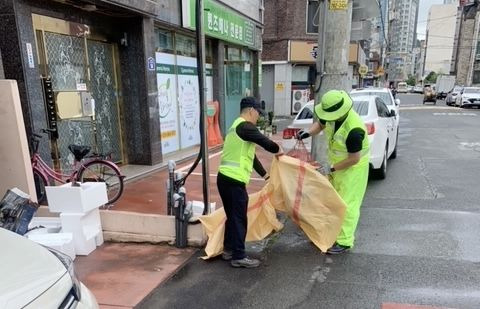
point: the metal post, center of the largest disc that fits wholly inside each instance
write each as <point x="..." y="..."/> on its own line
<point x="170" y="186"/>
<point x="334" y="38"/>
<point x="203" y="107"/>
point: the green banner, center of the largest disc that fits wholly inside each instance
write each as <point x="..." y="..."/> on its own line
<point x="220" y="22"/>
<point x="165" y="68"/>
<point x="183" y="70"/>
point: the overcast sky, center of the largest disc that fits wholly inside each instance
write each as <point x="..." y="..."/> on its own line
<point x="423" y="15"/>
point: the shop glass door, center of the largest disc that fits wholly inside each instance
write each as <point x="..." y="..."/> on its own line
<point x="238" y="82"/>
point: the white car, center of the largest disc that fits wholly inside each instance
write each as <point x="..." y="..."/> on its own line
<point x="35" y="277"/>
<point x="383" y="93"/>
<point x="402" y="87"/>
<point x="382" y="130"/>
<point x="418" y="89"/>
<point x="303" y="120"/>
<point x="469" y="96"/>
<point x="452" y="96"/>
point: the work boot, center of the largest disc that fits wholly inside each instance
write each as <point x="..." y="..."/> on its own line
<point x="337" y="249"/>
<point x="245" y="262"/>
<point x="227" y="255"/>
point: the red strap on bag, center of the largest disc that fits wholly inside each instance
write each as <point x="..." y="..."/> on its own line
<point x="299" y="151"/>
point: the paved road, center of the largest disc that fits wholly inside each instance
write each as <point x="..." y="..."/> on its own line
<point x="418" y="241"/>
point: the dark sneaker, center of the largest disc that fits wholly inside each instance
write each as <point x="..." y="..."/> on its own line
<point x="227" y="255"/>
<point x="337" y="249"/>
<point x="245" y="262"/>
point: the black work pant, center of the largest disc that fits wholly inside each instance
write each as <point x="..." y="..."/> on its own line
<point x="235" y="203"/>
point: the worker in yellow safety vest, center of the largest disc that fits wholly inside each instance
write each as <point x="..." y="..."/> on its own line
<point x="348" y="155"/>
<point x="237" y="163"/>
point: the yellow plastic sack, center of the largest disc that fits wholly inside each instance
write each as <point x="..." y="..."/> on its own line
<point x="296" y="188"/>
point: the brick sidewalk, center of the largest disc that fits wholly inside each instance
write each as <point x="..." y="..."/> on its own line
<point x="149" y="195"/>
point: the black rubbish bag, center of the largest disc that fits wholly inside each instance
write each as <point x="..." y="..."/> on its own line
<point x="16" y="211"/>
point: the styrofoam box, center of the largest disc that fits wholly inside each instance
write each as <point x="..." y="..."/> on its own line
<point x="62" y="242"/>
<point x="50" y="224"/>
<point x="197" y="208"/>
<point x="68" y="199"/>
<point x="86" y="229"/>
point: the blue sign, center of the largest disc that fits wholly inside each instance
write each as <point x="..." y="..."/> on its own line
<point x="151" y="64"/>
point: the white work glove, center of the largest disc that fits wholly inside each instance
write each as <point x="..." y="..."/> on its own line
<point x="325" y="170"/>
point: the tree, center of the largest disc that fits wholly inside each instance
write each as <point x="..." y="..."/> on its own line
<point x="411" y="80"/>
<point x="431" y="77"/>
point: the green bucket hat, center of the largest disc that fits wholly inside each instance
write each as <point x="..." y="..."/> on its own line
<point x="334" y="105"/>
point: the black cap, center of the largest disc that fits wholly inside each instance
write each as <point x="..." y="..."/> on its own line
<point x="251" y="102"/>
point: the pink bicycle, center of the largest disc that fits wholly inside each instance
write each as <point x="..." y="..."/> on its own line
<point x="94" y="168"/>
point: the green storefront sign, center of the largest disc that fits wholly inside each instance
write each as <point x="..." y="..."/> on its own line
<point x="172" y="69"/>
<point x="220" y="22"/>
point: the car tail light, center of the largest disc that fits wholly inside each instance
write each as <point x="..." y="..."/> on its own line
<point x="370" y="128"/>
<point x="289" y="133"/>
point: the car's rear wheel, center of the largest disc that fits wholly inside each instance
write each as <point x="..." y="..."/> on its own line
<point x="381" y="173"/>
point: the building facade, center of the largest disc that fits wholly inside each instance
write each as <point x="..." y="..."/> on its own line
<point x="466" y="52"/>
<point x="440" y="38"/>
<point x="289" y="53"/>
<point x="403" y="28"/>
<point x="123" y="73"/>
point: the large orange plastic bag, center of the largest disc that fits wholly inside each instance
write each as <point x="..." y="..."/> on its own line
<point x="296" y="188"/>
<point x="262" y="221"/>
<point x="308" y="198"/>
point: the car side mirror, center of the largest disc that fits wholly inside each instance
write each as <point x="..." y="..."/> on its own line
<point x="397" y="102"/>
<point x="393" y="113"/>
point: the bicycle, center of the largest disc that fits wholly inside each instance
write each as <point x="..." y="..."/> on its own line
<point x="94" y="168"/>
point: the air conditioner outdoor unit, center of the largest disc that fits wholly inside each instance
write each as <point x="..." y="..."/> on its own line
<point x="299" y="99"/>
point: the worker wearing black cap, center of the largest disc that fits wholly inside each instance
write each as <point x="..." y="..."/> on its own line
<point x="237" y="162"/>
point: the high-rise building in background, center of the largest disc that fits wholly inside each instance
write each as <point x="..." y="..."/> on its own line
<point x="403" y="35"/>
<point x="440" y="38"/>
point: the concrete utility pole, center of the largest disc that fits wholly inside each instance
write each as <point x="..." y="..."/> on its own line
<point x="332" y="62"/>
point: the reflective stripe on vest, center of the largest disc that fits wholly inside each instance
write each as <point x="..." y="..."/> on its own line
<point x="337" y="148"/>
<point x="237" y="157"/>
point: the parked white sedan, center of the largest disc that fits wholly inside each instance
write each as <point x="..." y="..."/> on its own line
<point x="468" y="97"/>
<point x="381" y="126"/>
<point x="385" y="94"/>
<point x="34" y="277"/>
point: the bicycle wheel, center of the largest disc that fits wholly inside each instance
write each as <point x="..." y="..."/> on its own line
<point x="103" y="171"/>
<point x="40" y="184"/>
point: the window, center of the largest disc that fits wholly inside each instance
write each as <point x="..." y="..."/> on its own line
<point x="164" y="40"/>
<point x="361" y="107"/>
<point x="384" y="96"/>
<point x="185" y="45"/>
<point x="382" y="108"/>
<point x="208" y="52"/>
<point x="312" y="16"/>
<point x="306" y="113"/>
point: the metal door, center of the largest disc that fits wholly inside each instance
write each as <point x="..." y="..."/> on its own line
<point x="80" y="65"/>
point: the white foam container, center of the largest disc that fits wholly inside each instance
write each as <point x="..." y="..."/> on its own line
<point x="68" y="199"/>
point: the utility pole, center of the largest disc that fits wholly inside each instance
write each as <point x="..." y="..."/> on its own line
<point x="332" y="62"/>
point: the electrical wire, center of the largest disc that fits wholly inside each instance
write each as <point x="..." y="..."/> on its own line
<point x="387" y="46"/>
<point x="439" y="18"/>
